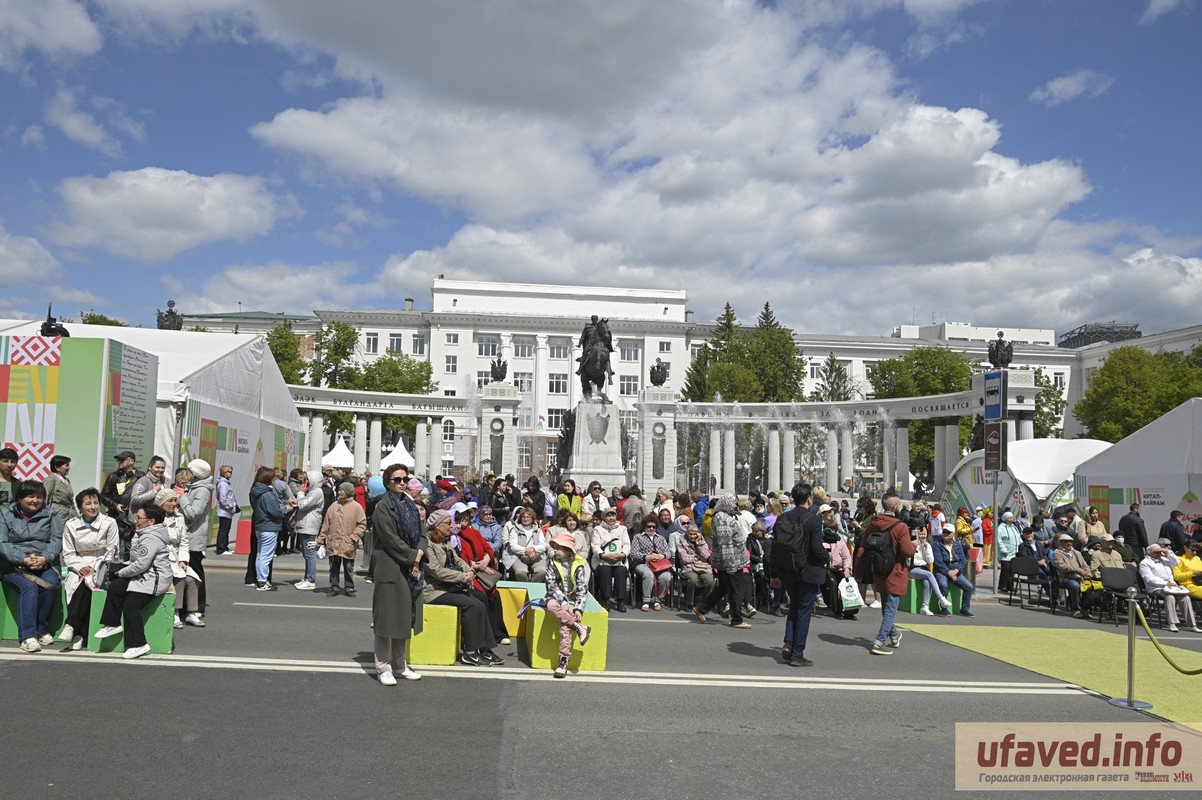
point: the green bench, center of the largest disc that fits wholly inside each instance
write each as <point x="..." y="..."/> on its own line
<point x="911" y="601"/>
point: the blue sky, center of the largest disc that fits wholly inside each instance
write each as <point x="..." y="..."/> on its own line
<point x="992" y="161"/>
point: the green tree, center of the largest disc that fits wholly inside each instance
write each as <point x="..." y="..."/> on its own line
<point x="396" y="373"/>
<point x="334" y="350"/>
<point x="770" y="352"/>
<point x="96" y="318"/>
<point x="696" y="385"/>
<point x="199" y="329"/>
<point x="1049" y="407"/>
<point x="285" y="345"/>
<point x="1134" y="387"/>
<point x="920" y="372"/>
<point x="726" y="327"/>
<point x="834" y="384"/>
<point x="736" y="383"/>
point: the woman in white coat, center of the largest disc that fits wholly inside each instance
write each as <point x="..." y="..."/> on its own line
<point x="86" y="540"/>
<point x="185" y="579"/>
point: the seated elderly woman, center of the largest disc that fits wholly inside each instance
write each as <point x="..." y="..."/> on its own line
<point x="693" y="555"/>
<point x="31" y="540"/>
<point x="652" y="567"/>
<point x="146" y="576"/>
<point x="450" y="582"/>
<point x="479" y="556"/>
<point x="1157" y="572"/>
<point x="88" y="539"/>
<point x="610" y="546"/>
<point x="186" y="581"/>
<point x="525" y="547"/>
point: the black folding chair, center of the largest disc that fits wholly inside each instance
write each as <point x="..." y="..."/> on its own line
<point x="1115" y="583"/>
<point x="1024" y="573"/>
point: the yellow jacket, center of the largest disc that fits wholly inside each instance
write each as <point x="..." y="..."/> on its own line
<point x="1184" y="573"/>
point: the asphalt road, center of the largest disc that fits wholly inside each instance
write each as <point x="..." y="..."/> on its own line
<point x="276" y="698"/>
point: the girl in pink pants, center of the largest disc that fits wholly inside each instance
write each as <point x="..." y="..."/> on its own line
<point x="567" y="594"/>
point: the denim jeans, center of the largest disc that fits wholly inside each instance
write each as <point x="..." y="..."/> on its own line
<point x="928" y="583"/>
<point x="310" y="552"/>
<point x="802" y="597"/>
<point x="965" y="586"/>
<point x="34" y="603"/>
<point x="888" y="630"/>
<point x="266" y="555"/>
<point x="1074" y="592"/>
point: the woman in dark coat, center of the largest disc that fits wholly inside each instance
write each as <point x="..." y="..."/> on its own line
<point x="396" y="604"/>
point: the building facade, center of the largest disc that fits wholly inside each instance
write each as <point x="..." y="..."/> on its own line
<point x="536" y="329"/>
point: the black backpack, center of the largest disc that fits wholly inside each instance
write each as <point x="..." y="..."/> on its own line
<point x="878" y="551"/>
<point x="789" y="543"/>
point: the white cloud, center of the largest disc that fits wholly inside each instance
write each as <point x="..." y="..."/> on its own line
<point x="275" y="287"/>
<point x="57" y="28"/>
<point x="350" y="218"/>
<point x="1157" y="9"/>
<point x="1079" y="83"/>
<point x="23" y="256"/>
<point x="79" y="126"/>
<point x="154" y="214"/>
<point x="34" y="137"/>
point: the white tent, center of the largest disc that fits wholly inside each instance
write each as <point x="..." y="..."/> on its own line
<point x="399" y="455"/>
<point x="340" y="457"/>
<point x="1159" y="466"/>
<point x="220" y="397"/>
<point x="1039" y="474"/>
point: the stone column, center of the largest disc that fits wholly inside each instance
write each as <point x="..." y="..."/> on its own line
<point x="940" y="476"/>
<point x="506" y="348"/>
<point x="715" y="469"/>
<point x="434" y="448"/>
<point x="421" y="445"/>
<point x="727" y="482"/>
<point x="773" y="435"/>
<point x="888" y="465"/>
<point x="847" y="461"/>
<point x="317" y="439"/>
<point x="360" y="444"/>
<point x="788" y="458"/>
<point x="375" y="443"/>
<point x="832" y="459"/>
<point x="952" y="443"/>
<point x="1026" y="427"/>
<point x="539" y="389"/>
<point x="904" y="487"/>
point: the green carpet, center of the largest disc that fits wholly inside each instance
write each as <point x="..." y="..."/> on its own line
<point x="1093" y="659"/>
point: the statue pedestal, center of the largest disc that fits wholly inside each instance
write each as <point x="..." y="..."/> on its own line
<point x="498" y="442"/>
<point x="597" y="446"/>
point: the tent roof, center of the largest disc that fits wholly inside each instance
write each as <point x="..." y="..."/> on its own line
<point x="229" y="370"/>
<point x="1044" y="464"/>
<point x="1169" y="444"/>
<point x="340" y="457"/>
<point x="399" y="455"/>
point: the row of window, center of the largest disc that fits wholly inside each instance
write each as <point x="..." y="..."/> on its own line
<point x="489" y="346"/>
<point x="557" y="382"/>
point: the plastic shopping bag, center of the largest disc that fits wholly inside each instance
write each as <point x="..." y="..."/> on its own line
<point x="849" y="594"/>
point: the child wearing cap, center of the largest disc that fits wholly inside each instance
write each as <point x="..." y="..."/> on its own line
<point x="567" y="595"/>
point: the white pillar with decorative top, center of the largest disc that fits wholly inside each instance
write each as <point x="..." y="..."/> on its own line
<point x="375" y="443"/>
<point x="421" y="443"/>
<point x="832" y="459"/>
<point x="788" y="459"/>
<point x="715" y="471"/>
<point x="847" y="463"/>
<point x="773" y="435"/>
<point x="317" y="439"/>
<point x="727" y="480"/>
<point x="360" y="444"/>
<point x="541" y="351"/>
<point x="904" y="487"/>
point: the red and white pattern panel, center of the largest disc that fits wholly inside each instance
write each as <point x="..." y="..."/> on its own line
<point x="36" y="351"/>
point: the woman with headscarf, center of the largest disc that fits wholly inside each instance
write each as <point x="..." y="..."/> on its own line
<point x="609" y="544"/>
<point x="730" y="559"/>
<point x="87" y="540"/>
<point x="396" y="602"/>
<point x="187" y="586"/>
<point x="670" y="528"/>
<point x="341" y="532"/>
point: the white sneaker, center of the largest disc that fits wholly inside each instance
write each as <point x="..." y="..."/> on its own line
<point x="387" y="679"/>
<point x="875" y="604"/>
<point x="67" y="634"/>
<point x="45" y="640"/>
<point x="506" y="640"/>
<point x="194" y="620"/>
<point x="410" y="675"/>
<point x="304" y="585"/>
<point x="135" y="652"/>
<point x="264" y="588"/>
<point x="177" y="623"/>
<point x="926" y="612"/>
<point x="77" y="643"/>
<point x="1173" y="629"/>
<point x="107" y="631"/>
<point x="31" y="645"/>
<point x="943" y="601"/>
<point x="1196" y="629"/>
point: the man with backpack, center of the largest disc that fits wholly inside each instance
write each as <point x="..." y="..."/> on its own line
<point x="885" y="551"/>
<point x="799" y="566"/>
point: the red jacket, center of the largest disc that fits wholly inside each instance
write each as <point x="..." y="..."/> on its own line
<point x="472" y="547"/>
<point x="361" y="496"/>
<point x="897" y="581"/>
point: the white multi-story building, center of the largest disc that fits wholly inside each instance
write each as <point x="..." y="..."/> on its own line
<point x="535" y="328"/>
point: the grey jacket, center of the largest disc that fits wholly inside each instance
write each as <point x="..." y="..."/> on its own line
<point x="309" y="508"/>
<point x="142" y="494"/>
<point x="149" y="567"/>
<point x="195" y="508"/>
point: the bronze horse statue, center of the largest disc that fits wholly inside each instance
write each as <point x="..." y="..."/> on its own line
<point x="594" y="369"/>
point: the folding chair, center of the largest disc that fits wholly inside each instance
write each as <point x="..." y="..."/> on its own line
<point x="1115" y="583"/>
<point x="1024" y="573"/>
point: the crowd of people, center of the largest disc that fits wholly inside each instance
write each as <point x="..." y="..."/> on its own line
<point x="444" y="543"/>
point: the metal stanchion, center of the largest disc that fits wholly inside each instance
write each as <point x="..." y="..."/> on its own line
<point x="1129" y="701"/>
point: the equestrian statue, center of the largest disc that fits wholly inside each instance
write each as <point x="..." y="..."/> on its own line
<point x="596" y="343"/>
